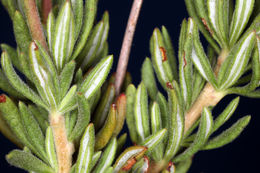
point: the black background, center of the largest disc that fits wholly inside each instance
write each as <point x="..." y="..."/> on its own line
<point x="240" y="156"/>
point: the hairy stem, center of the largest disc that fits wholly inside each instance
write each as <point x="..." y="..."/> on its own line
<point x="34" y="22"/>
<point x="208" y="96"/>
<point x="64" y="148"/>
<point x="126" y="46"/>
<point x="46" y="8"/>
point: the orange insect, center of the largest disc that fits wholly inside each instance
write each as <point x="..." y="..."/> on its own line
<point x="169" y="85"/>
<point x="130" y="164"/>
<point x="206" y="25"/>
<point x="2" y="98"/>
<point x="164" y="55"/>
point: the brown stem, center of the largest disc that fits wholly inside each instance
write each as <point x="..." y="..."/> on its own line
<point x="126" y="46"/>
<point x="46" y="8"/>
<point x="64" y="148"/>
<point x="34" y="22"/>
<point x="208" y="96"/>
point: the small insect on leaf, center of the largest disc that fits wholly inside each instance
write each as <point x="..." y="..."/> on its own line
<point x="129" y="157"/>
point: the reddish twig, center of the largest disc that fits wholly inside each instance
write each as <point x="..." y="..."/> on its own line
<point x="34" y="22"/>
<point x="126" y="46"/>
<point x="46" y="8"/>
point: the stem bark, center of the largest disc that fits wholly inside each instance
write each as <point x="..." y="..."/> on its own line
<point x="64" y="148"/>
<point x="126" y="46"/>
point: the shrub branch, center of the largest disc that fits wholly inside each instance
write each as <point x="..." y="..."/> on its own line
<point x="126" y="46"/>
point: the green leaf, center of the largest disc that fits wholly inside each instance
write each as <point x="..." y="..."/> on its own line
<point x="110" y="170"/>
<point x="218" y="17"/>
<point x="42" y="77"/>
<point x="78" y="8"/>
<point x="21" y="32"/>
<point x="25" y="64"/>
<point x="185" y="64"/>
<point x="205" y="129"/>
<point x="170" y="52"/>
<point x="134" y="152"/>
<point x="205" y="16"/>
<point x="228" y="135"/>
<point x="6" y="130"/>
<point x="255" y="79"/>
<point x="107" y="157"/>
<point x="83" y="118"/>
<point x="50" y="149"/>
<point x="95" y="159"/>
<point x="13" y="55"/>
<point x="106" y="132"/>
<point x="88" y="21"/>
<point x="226" y="114"/>
<point x="160" y="59"/>
<point x="103" y="106"/>
<point x="69" y="102"/>
<point x="66" y="77"/>
<point x="64" y="36"/>
<point x="96" y="77"/>
<point x="10" y="6"/>
<point x="156" y="122"/>
<point x="27" y="161"/>
<point x="121" y="113"/>
<point x="50" y="28"/>
<point x="39" y="116"/>
<point x="234" y="65"/>
<point x="7" y="87"/>
<point x="163" y="109"/>
<point x="11" y="116"/>
<point x="176" y="126"/>
<point x="86" y="150"/>
<point x="130" y="118"/>
<point x="152" y="141"/>
<point x="148" y="78"/>
<point x="103" y="43"/>
<point x="72" y="120"/>
<point x="184" y="166"/>
<point x="121" y="143"/>
<point x="33" y="130"/>
<point x="141" y="112"/>
<point x="17" y="83"/>
<point x="156" y="125"/>
<point x="201" y="61"/>
<point x="241" y="15"/>
<point x="194" y="14"/>
<point x="88" y="54"/>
